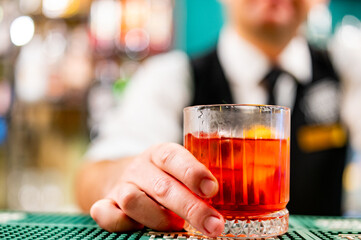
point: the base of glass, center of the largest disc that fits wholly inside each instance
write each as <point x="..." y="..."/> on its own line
<point x="249" y="227"/>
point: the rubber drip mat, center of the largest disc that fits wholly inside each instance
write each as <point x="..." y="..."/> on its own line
<point x="31" y="226"/>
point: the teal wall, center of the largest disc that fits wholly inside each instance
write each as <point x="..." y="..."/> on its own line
<point x="340" y="8"/>
<point x="198" y="22"/>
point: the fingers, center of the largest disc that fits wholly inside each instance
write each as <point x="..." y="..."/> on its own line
<point x="149" y="194"/>
<point x="109" y="217"/>
<point x="180" y="163"/>
<point x="138" y="206"/>
<point x="174" y="196"/>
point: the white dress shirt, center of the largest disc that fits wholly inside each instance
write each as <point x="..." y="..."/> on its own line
<point x="152" y="108"/>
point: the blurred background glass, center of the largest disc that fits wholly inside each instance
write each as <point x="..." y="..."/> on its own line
<point x="65" y="63"/>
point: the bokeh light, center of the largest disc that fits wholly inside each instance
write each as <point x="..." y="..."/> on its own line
<point x="29" y="6"/>
<point x="22" y="30"/>
<point x="31" y="72"/>
<point x="55" y="44"/>
<point x="137" y="40"/>
<point x="137" y="43"/>
<point x="55" y="8"/>
<point x="105" y="21"/>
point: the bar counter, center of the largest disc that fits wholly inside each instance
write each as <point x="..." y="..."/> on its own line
<point x="24" y="225"/>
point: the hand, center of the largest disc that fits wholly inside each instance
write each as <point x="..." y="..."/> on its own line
<point x="159" y="189"/>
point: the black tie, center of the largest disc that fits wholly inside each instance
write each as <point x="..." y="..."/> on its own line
<point x="270" y="81"/>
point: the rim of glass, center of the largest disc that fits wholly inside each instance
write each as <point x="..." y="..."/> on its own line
<point x="244" y="106"/>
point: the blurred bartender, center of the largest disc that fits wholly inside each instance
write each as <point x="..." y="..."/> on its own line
<point x="132" y="180"/>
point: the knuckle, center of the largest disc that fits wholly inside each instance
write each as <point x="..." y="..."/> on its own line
<point x="189" y="172"/>
<point x="162" y="186"/>
<point x="168" y="152"/>
<point x="129" y="199"/>
<point x="166" y="157"/>
<point x="190" y="210"/>
<point x="193" y="175"/>
<point x="97" y="213"/>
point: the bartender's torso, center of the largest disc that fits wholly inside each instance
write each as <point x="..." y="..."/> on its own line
<point x="318" y="141"/>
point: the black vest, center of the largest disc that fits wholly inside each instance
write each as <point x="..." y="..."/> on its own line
<point x="316" y="176"/>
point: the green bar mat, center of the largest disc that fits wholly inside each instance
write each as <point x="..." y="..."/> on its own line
<point x="31" y="226"/>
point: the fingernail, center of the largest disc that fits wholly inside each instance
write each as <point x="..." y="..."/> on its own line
<point x="208" y="187"/>
<point x="213" y="225"/>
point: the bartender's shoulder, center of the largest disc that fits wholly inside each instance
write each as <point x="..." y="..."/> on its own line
<point x="174" y="59"/>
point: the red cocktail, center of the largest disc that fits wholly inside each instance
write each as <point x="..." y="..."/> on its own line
<point x="253" y="174"/>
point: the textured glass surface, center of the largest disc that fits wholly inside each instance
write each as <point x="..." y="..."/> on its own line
<point x="268" y="226"/>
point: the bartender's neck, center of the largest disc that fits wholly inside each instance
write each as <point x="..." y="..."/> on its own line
<point x="271" y="45"/>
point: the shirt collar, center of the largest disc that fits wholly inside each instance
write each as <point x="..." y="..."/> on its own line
<point x="235" y="52"/>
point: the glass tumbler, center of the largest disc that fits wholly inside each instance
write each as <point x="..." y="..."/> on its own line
<point x="247" y="148"/>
